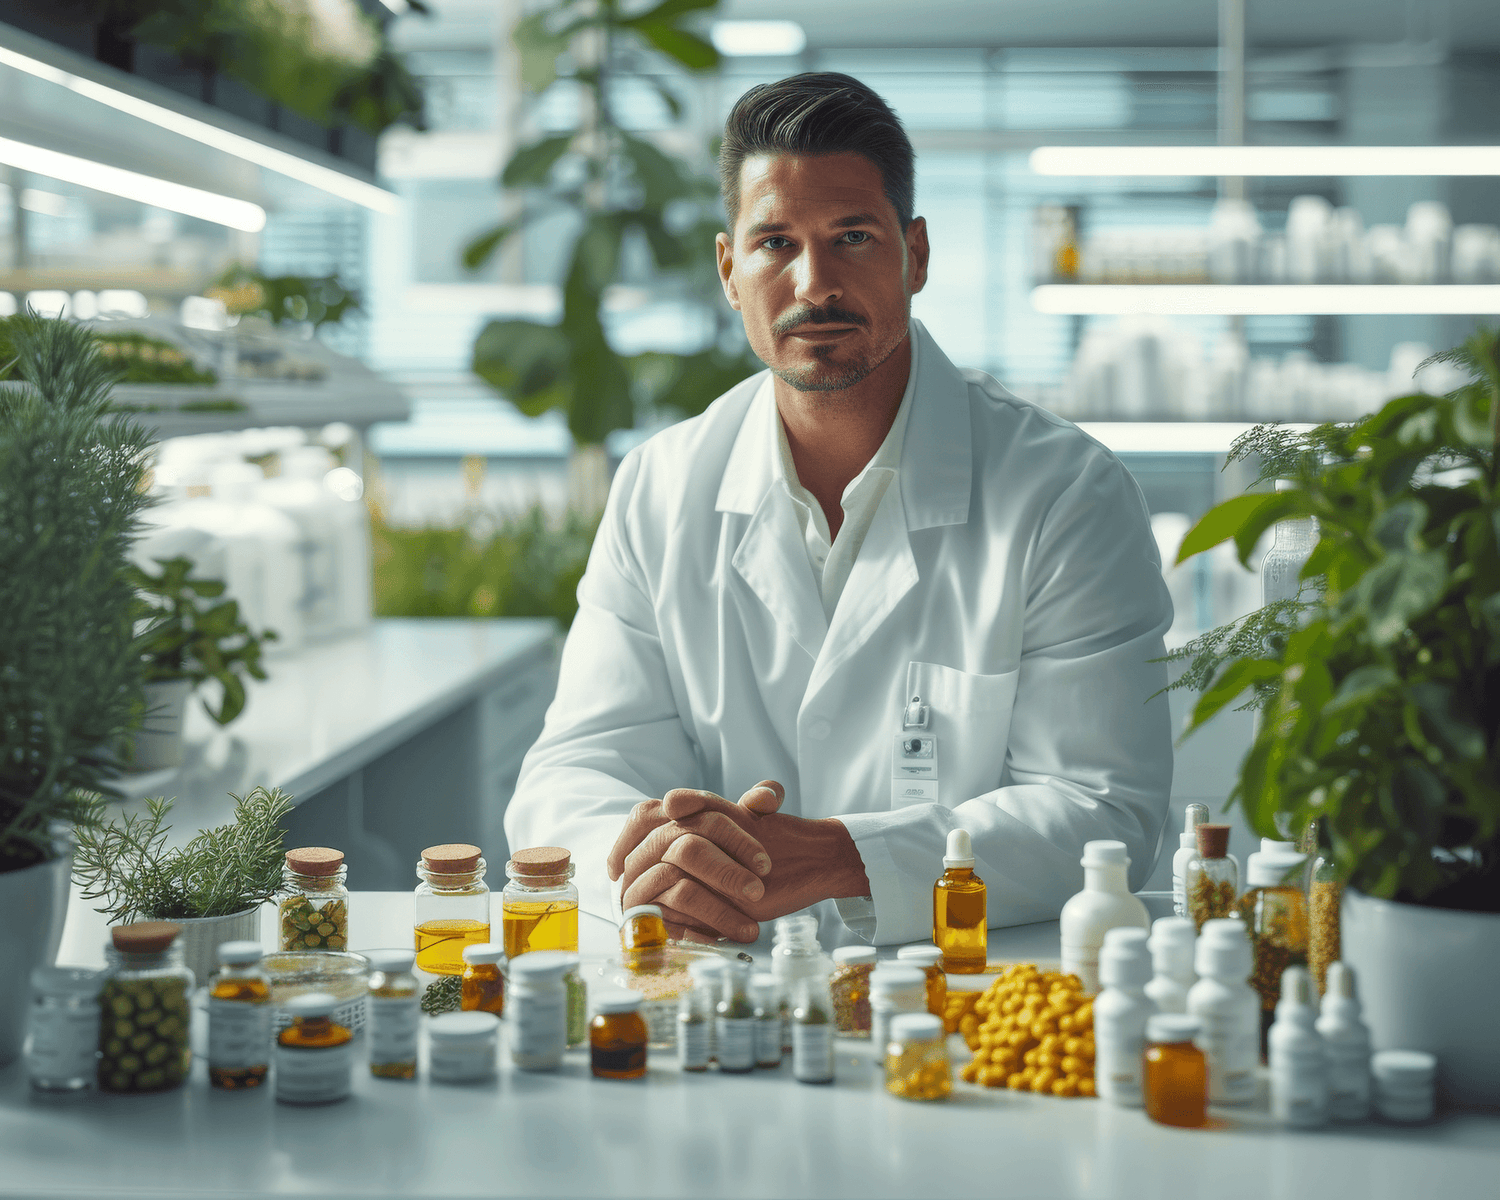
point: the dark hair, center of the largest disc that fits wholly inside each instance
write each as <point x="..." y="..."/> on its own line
<point x="820" y="112"/>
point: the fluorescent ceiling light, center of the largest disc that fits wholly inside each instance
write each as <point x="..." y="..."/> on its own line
<point x="744" y="39"/>
<point x="1265" y="299"/>
<point x="49" y="204"/>
<point x="145" y="189"/>
<point x="1304" y="161"/>
<point x="326" y="179"/>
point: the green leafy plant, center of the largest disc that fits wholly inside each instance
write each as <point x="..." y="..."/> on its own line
<point x="126" y="862"/>
<point x="1380" y="687"/>
<point x="188" y="631"/>
<point x="443" y="995"/>
<point x="622" y="190"/>
<point x="143" y="359"/>
<point x="70" y="501"/>
<point x="321" y="300"/>
<point x="524" y="567"/>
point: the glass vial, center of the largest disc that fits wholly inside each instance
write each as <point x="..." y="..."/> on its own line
<point x="916" y="1058"/>
<point x="314" y="1054"/>
<point x="143" y="1010"/>
<point x="1213" y="878"/>
<point x="812" y="1032"/>
<point x="850" y="988"/>
<point x="395" y="1014"/>
<point x="617" y="1038"/>
<point x="929" y="960"/>
<point x="462" y="1047"/>
<point x="795" y="954"/>
<point x="1187" y="850"/>
<point x="539" y="906"/>
<point x="239" y="1018"/>
<point x="314" y="903"/>
<point x="765" y="997"/>
<point x="538" y="1010"/>
<point x="1174" y="1073"/>
<point x="1274" y="909"/>
<point x="62" y="1047"/>
<point x="960" y="928"/>
<point x="483" y="985"/>
<point x="695" y="1016"/>
<point x="734" y="1024"/>
<point x="451" y="907"/>
<point x="1325" y="897"/>
<point x="643" y="938"/>
<point x="576" y="992"/>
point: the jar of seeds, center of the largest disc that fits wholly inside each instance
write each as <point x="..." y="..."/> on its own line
<point x="314" y="903"/>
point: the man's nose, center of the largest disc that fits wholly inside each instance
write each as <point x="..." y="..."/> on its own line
<point x="817" y="278"/>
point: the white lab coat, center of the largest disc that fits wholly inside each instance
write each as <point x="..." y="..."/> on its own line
<point x="1009" y="578"/>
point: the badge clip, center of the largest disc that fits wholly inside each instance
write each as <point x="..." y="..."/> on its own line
<point x="916" y="714"/>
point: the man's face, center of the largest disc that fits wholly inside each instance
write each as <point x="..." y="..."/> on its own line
<point x="820" y="267"/>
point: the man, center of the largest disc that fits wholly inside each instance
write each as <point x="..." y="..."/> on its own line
<point x="867" y="596"/>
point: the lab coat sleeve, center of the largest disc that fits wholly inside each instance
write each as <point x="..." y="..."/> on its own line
<point x="612" y="736"/>
<point x="1090" y="750"/>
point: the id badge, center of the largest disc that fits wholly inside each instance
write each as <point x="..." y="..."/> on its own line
<point x="914" y="768"/>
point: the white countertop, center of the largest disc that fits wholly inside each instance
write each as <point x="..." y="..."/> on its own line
<point x="330" y="709"/>
<point x="676" y="1135"/>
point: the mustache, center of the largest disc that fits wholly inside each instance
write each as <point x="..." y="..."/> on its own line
<point x="811" y="315"/>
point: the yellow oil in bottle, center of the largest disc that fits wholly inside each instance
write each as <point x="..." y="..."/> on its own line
<point x="540" y="925"/>
<point x="960" y="928"/>
<point x="242" y="991"/>
<point x="440" y="944"/>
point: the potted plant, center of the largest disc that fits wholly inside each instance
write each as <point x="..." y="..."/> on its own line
<point x="70" y="676"/>
<point x="1379" y="690"/>
<point x="213" y="886"/>
<point x="189" y="634"/>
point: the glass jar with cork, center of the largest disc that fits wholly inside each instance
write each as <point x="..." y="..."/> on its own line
<point x="1212" y="879"/>
<point x="314" y="903"/>
<point x="451" y="907"/>
<point x="143" y="1007"/>
<point x="540" y="903"/>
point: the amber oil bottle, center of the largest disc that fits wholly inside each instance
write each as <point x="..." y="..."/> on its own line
<point x="959" y="925"/>
<point x="483" y="986"/>
<point x="617" y="1038"/>
<point x="452" y="906"/>
<point x="1174" y="1073"/>
<point x="239" y="1018"/>
<point x="314" y="1054"/>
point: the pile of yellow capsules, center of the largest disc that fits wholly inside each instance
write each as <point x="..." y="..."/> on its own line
<point x="1031" y="1030"/>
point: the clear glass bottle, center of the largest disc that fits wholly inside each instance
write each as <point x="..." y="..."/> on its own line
<point x="1174" y="1073"/>
<point x="483" y="986"/>
<point x="1212" y="879"/>
<point x="695" y="1016"/>
<point x="960" y="925"/>
<point x="1187" y="850"/>
<point x="796" y="954"/>
<point x="812" y="1032"/>
<point x="395" y="1014"/>
<point x="1325" y="897"/>
<point x="314" y="901"/>
<point x="929" y="960"/>
<point x="539" y="905"/>
<point x="1292" y="545"/>
<point x="617" y="1038"/>
<point x="850" y="988"/>
<point x="62" y="1047"/>
<point x="734" y="1023"/>
<point x="643" y="938"/>
<point x="916" y="1058"/>
<point x="240" y="1016"/>
<point x="765" y="997"/>
<point x="451" y="908"/>
<point x="314" y="1054"/>
<point x="143" y="1010"/>
<point x="576" y="992"/>
<point x="1274" y="910"/>
<point x="538" y="1016"/>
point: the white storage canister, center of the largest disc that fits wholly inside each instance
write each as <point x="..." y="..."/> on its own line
<point x="62" y="1050"/>
<point x="461" y="1046"/>
<point x="1404" y="1082"/>
<point x="538" y="1009"/>
<point x="894" y="988"/>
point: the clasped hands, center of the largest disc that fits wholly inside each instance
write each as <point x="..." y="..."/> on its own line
<point x="717" y="868"/>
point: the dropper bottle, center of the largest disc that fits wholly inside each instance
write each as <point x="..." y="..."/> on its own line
<point x="960" y="928"/>
<point x="1187" y="850"/>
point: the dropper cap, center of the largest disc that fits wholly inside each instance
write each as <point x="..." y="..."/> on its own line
<point x="960" y="851"/>
<point x="1341" y="997"/>
<point x="1194" y="816"/>
<point x="1296" y="1003"/>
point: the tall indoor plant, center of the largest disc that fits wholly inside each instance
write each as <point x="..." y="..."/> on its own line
<point x="624" y="191"/>
<point x="70" y="673"/>
<point x="1380" y="696"/>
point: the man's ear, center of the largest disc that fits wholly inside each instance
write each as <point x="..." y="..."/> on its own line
<point x="724" y="252"/>
<point x="917" y="253"/>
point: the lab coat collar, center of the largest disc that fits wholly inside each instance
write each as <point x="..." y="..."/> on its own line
<point x="937" y="467"/>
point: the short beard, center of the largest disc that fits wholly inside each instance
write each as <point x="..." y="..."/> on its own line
<point x="819" y="377"/>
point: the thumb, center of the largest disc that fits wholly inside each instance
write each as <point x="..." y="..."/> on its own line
<point x="765" y="797"/>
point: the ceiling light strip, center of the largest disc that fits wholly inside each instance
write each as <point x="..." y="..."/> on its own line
<point x="326" y="179"/>
<point x="1266" y="299"/>
<point x="144" y="189"/>
<point x="1303" y="161"/>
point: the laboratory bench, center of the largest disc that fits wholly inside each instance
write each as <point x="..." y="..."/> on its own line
<point x="679" y="1135"/>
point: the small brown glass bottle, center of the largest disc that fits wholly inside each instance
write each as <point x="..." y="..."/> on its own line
<point x="617" y="1038"/>
<point x="643" y="938"/>
<point x="1174" y="1073"/>
<point x="483" y="986"/>
<point x="960" y="927"/>
<point x="239" y="1018"/>
<point x="314" y="1054"/>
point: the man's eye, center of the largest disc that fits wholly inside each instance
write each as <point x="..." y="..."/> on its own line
<point x="775" y="242"/>
<point x="856" y="236"/>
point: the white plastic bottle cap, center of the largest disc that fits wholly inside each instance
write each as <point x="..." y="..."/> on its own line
<point x="1124" y="961"/>
<point x="920" y="956"/>
<point x="311" y="1004"/>
<point x="240" y="954"/>
<point x="1272" y="868"/>
<point x="960" y="852"/>
<point x="1172" y="1027"/>
<point x="854" y="955"/>
<point x="914" y="1027"/>
<point x="1105" y="854"/>
<point x="1229" y="929"/>
<point x="1403" y="1068"/>
<point x="543" y="964"/>
<point x="640" y="910"/>
<point x="1172" y="931"/>
<point x="391" y="962"/>
<point x="1268" y="845"/>
<point x="1222" y="958"/>
<point x="624" y="1001"/>
<point x="484" y="953"/>
<point x="464" y="1026"/>
<point x="898" y="979"/>
<point x="1340" y="981"/>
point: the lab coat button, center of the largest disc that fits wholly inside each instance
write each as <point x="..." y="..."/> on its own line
<point x="819" y="730"/>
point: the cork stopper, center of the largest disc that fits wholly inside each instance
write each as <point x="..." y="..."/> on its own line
<point x="451" y="858"/>
<point x="315" y="860"/>
<point x="144" y="937"/>
<point x="1213" y="841"/>
<point x="540" y="860"/>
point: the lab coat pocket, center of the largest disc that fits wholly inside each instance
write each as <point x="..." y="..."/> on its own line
<point x="970" y="716"/>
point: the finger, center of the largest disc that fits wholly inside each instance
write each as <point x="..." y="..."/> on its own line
<point x="707" y="910"/>
<point x="681" y="927"/>
<point x="705" y="862"/>
<point x="651" y="884"/>
<point x="649" y="852"/>
<point x="684" y="802"/>
<point x="725" y="832"/>
<point x="643" y="818"/>
<point x="765" y="797"/>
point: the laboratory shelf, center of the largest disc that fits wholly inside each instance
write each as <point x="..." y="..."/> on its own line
<point x="1266" y="299"/>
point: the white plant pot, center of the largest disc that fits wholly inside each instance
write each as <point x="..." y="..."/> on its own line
<point x="34" y="904"/>
<point x="201" y="938"/>
<point x="1428" y="978"/>
<point x="158" y="743"/>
